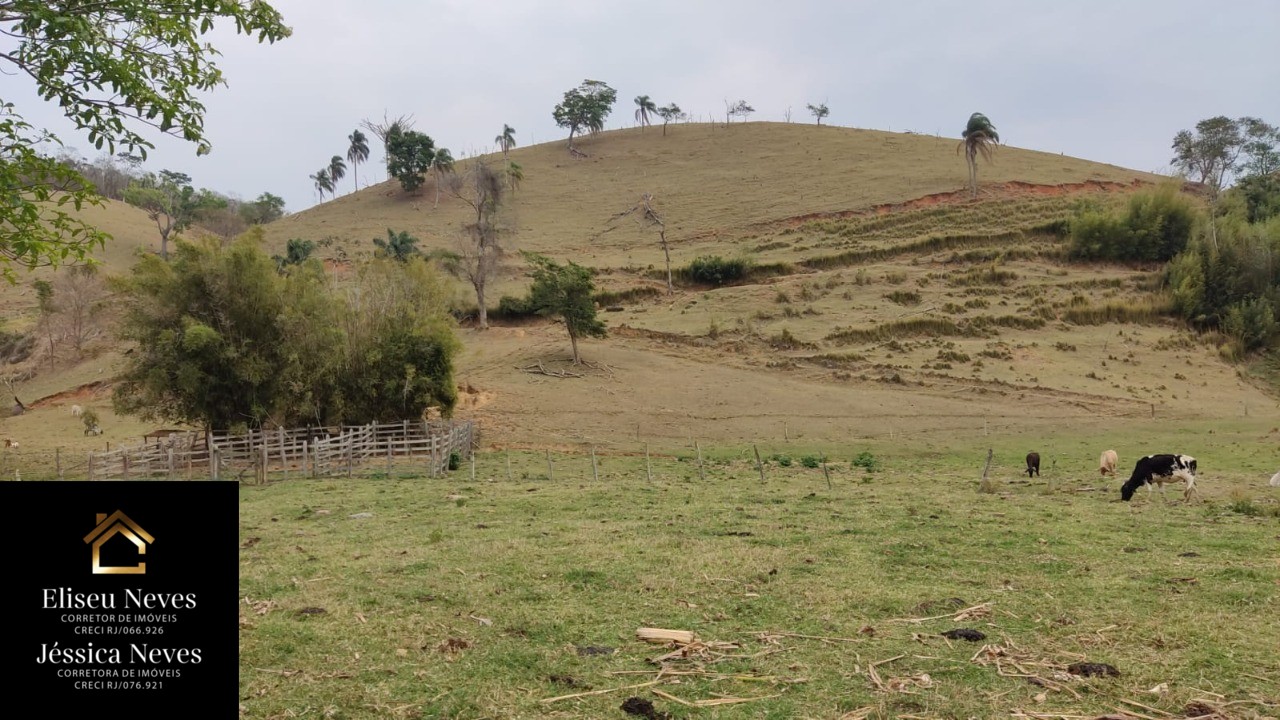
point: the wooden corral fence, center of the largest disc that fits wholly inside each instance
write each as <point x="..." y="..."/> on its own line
<point x="303" y="452"/>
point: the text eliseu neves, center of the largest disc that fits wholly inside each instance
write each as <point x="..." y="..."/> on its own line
<point x="68" y="599"/>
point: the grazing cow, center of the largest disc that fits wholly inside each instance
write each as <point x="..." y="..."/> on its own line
<point x="10" y="443"/>
<point x="1275" y="480"/>
<point x="1107" y="463"/>
<point x="77" y="410"/>
<point x="1161" y="469"/>
<point x="1033" y="464"/>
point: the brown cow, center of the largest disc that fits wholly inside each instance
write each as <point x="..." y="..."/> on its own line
<point x="1033" y="464"/>
<point x="1107" y="463"/>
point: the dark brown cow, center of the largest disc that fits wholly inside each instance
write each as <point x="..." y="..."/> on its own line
<point x="1033" y="464"/>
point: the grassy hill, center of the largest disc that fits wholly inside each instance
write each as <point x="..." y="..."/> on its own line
<point x="887" y="306"/>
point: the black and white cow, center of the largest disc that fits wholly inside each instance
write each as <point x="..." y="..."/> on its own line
<point x="1161" y="469"/>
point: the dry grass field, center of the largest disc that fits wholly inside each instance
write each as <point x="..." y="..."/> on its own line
<point x="398" y="596"/>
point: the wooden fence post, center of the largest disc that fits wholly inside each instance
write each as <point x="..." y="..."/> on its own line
<point x="550" y="470"/>
<point x="215" y="460"/>
<point x="124" y="457"/>
<point x="263" y="457"/>
<point x="473" y="467"/>
<point x="284" y="456"/>
<point x="648" y="468"/>
<point x="985" y="485"/>
<point x="825" y="474"/>
<point x="89" y="464"/>
<point x="595" y="473"/>
<point x="702" y="473"/>
<point x="57" y="460"/>
<point x="759" y="465"/>
<point x="170" y="453"/>
<point x="508" y="452"/>
<point x="390" y="440"/>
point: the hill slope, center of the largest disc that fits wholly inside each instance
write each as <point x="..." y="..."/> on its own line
<point x="889" y="307"/>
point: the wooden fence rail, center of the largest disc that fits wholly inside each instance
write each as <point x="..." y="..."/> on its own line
<point x="302" y="452"/>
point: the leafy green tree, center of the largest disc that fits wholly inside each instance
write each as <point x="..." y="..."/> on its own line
<point x="645" y="110"/>
<point x="357" y="152"/>
<point x="564" y="292"/>
<point x="399" y="246"/>
<point x="819" y="111"/>
<point x="669" y="113"/>
<point x="1212" y="155"/>
<point x="979" y="138"/>
<point x="208" y="344"/>
<point x="1261" y="196"/>
<point x="1209" y="154"/>
<point x="323" y="183"/>
<point x="111" y="67"/>
<point x="409" y="158"/>
<point x="170" y="202"/>
<point x="337" y="171"/>
<point x="585" y="108"/>
<point x="265" y="209"/>
<point x="506" y="140"/>
<point x="441" y="165"/>
<point x="1261" y="156"/>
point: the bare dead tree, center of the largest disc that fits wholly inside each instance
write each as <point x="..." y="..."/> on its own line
<point x="648" y="216"/>
<point x="388" y="126"/>
<point x="80" y="292"/>
<point x="480" y="249"/>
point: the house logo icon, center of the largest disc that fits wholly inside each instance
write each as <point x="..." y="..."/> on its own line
<point x="117" y="523"/>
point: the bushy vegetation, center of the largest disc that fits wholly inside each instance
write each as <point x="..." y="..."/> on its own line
<point x="715" y="270"/>
<point x="223" y="340"/>
<point x="1153" y="226"/>
<point x="1232" y="285"/>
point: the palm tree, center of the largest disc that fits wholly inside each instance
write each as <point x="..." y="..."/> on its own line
<point x="507" y="139"/>
<point x="337" y="171"/>
<point x="980" y="136"/>
<point x="515" y="174"/>
<point x="398" y="246"/>
<point x="645" y="109"/>
<point x="324" y="183"/>
<point x="357" y="153"/>
<point x="441" y="163"/>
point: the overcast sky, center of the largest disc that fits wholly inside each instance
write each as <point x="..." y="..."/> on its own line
<point x="1104" y="80"/>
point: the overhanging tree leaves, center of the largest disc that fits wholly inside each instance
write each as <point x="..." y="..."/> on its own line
<point x="564" y="292"/>
<point x="113" y="68"/>
<point x="585" y="108"/>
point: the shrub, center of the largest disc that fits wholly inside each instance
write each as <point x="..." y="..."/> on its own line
<point x="811" y="461"/>
<point x="715" y="270"/>
<point x="866" y="461"/>
<point x="454" y="460"/>
<point x="904" y="297"/>
<point x="1155" y="225"/>
<point x="783" y="460"/>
